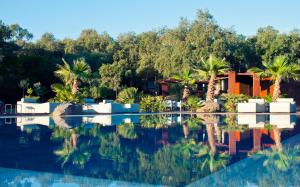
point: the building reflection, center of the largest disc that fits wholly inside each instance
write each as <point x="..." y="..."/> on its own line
<point x="248" y="133"/>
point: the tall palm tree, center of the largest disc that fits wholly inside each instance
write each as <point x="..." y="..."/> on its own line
<point x="208" y="70"/>
<point x="71" y="75"/>
<point x="280" y="69"/>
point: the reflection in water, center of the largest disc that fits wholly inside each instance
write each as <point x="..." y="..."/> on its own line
<point x="155" y="149"/>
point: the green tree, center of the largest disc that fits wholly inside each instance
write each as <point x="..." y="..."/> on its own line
<point x="49" y="43"/>
<point x="110" y="76"/>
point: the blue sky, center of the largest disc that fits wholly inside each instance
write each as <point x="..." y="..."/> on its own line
<point x="66" y="18"/>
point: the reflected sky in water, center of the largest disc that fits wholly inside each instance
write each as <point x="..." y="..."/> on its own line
<point x="173" y="150"/>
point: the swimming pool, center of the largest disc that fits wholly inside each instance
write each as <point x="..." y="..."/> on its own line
<point x="160" y="149"/>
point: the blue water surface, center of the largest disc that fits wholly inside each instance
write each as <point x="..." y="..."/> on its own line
<point x="150" y="150"/>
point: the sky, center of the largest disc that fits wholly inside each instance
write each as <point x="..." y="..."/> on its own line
<point x="67" y="18"/>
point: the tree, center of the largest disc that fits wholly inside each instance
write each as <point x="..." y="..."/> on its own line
<point x="209" y="70"/>
<point x="24" y="85"/>
<point x="186" y="79"/>
<point x="49" y="42"/>
<point x="71" y="75"/>
<point x="110" y="76"/>
<point x="148" y="48"/>
<point x="278" y="70"/>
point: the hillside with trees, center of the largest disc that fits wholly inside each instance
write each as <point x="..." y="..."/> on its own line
<point x="131" y="59"/>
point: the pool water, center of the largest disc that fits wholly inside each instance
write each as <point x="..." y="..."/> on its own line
<point x="165" y="149"/>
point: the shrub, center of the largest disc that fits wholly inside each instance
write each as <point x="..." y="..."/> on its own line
<point x="193" y="103"/>
<point x="129" y="96"/>
<point x="97" y="92"/>
<point x="152" y="104"/>
<point x="268" y="98"/>
<point x="127" y="130"/>
<point x="64" y="94"/>
<point x="154" y="121"/>
<point x="209" y="106"/>
<point x="29" y="91"/>
<point x="231" y="101"/>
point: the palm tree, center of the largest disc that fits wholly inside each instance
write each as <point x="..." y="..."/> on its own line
<point x="71" y="75"/>
<point x="64" y="93"/>
<point x="209" y="121"/>
<point x="280" y="69"/>
<point x="186" y="79"/>
<point x="209" y="69"/>
<point x="276" y="157"/>
<point x="24" y="85"/>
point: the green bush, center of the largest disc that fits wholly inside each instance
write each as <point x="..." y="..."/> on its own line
<point x="152" y="104"/>
<point x="231" y="101"/>
<point x="268" y="98"/>
<point x="97" y="92"/>
<point x="64" y="94"/>
<point x="129" y="96"/>
<point x="127" y="130"/>
<point x="193" y="103"/>
<point x="154" y="121"/>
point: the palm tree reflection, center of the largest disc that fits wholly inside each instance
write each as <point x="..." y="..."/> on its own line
<point x="212" y="160"/>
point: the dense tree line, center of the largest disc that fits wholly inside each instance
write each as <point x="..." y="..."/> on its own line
<point x="132" y="59"/>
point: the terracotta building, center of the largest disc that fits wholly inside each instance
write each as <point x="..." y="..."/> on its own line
<point x="233" y="83"/>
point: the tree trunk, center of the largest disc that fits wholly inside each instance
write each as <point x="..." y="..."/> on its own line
<point x="211" y="88"/>
<point x="211" y="139"/>
<point x="116" y="93"/>
<point x="218" y="133"/>
<point x="185" y="130"/>
<point x="186" y="93"/>
<point x="75" y="87"/>
<point x="276" y="92"/>
<point x="74" y="140"/>
<point x="277" y="138"/>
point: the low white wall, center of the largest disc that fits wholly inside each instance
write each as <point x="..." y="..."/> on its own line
<point x="36" y="108"/>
